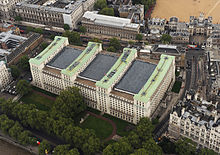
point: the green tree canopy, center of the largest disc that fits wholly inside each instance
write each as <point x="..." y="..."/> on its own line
<point x="96" y="40"/>
<point x="44" y="45"/>
<point x="185" y="146"/>
<point x="66" y="27"/>
<point x="130" y="42"/>
<point x="114" y="42"/>
<point x="139" y="37"/>
<point x="69" y="103"/>
<point x="38" y="30"/>
<point x="18" y="18"/>
<point x="82" y="29"/>
<point x="166" y="38"/>
<point x="107" y="11"/>
<point x="73" y="152"/>
<point x="74" y="37"/>
<point x="23" y="87"/>
<point x="61" y="149"/>
<point x="15" y="130"/>
<point x="205" y="151"/>
<point x="100" y="4"/>
<point x="15" y="72"/>
<point x="44" y="145"/>
<point x="5" y="123"/>
<point x="24" y="63"/>
<point x="111" y="49"/>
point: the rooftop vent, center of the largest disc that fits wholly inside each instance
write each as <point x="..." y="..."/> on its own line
<point x="143" y="94"/>
<point x="73" y="65"/>
<point x="90" y="48"/>
<point x="39" y="57"/>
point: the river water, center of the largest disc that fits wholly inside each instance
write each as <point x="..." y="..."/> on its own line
<point x="9" y="149"/>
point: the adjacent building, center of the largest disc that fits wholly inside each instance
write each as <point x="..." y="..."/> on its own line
<point x="5" y="75"/>
<point x="157" y="24"/>
<point x="53" y="13"/>
<point x="180" y="37"/>
<point x="111" y="26"/>
<point x="5" y="8"/>
<point x="200" y="25"/>
<point x="197" y="120"/>
<point x="124" y="86"/>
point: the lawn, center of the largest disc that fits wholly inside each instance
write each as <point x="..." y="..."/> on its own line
<point x="102" y="128"/>
<point x="41" y="102"/>
<point x="176" y="87"/>
<point x="121" y="125"/>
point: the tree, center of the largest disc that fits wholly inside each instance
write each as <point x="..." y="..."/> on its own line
<point x="82" y="29"/>
<point x="96" y="40"/>
<point x="18" y="18"/>
<point x="74" y="37"/>
<point x="23" y="87"/>
<point x="66" y="27"/>
<point x="38" y="30"/>
<point x="111" y="49"/>
<point x="115" y="43"/>
<point x="61" y="149"/>
<point x="166" y="38"/>
<point x="15" y="72"/>
<point x="44" y="145"/>
<point x="69" y="103"/>
<point x="5" y="123"/>
<point x="205" y="151"/>
<point x="16" y="130"/>
<point x="30" y="29"/>
<point x="185" y="146"/>
<point x="152" y="148"/>
<point x="107" y="11"/>
<point x="91" y="146"/>
<point x="141" y="151"/>
<point x="118" y="148"/>
<point x="44" y="45"/>
<point x="130" y="42"/>
<point x="139" y="37"/>
<point x="24" y="138"/>
<point x="73" y="152"/>
<point x="24" y="63"/>
<point x="100" y="4"/>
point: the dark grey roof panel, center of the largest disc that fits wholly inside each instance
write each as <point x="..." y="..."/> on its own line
<point x="63" y="59"/>
<point x="136" y="77"/>
<point x="99" y="67"/>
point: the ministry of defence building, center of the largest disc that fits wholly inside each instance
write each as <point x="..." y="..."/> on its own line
<point x="123" y="86"/>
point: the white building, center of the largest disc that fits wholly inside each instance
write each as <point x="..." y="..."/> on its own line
<point x="6" y="6"/>
<point x="198" y="121"/>
<point x="54" y="14"/>
<point x="125" y="86"/>
<point x="5" y="75"/>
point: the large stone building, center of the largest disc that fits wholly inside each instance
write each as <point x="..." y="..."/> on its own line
<point x="199" y="121"/>
<point x="5" y="75"/>
<point x="5" y="8"/>
<point x="213" y="40"/>
<point x="123" y="86"/>
<point x="157" y="24"/>
<point x="180" y="37"/>
<point x="200" y="25"/>
<point x="53" y="13"/>
<point x="111" y="26"/>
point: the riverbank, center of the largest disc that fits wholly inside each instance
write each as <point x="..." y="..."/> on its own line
<point x="10" y="147"/>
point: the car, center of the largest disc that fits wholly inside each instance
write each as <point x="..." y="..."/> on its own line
<point x="14" y="86"/>
<point x="29" y="78"/>
<point x="9" y="91"/>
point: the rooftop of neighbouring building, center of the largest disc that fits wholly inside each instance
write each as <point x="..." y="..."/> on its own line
<point x="60" y="6"/>
<point x="64" y="58"/>
<point x="199" y="113"/>
<point x="98" y="68"/>
<point x="166" y="49"/>
<point x="109" y="20"/>
<point x="135" y="77"/>
<point x="157" y="21"/>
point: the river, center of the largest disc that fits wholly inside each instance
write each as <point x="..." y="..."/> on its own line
<point x="9" y="149"/>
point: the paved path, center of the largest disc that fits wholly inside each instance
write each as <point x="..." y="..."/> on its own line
<point x="108" y="120"/>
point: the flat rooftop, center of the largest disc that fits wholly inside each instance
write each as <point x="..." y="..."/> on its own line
<point x="136" y="76"/>
<point x="166" y="49"/>
<point x="64" y="58"/>
<point x="97" y="69"/>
